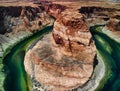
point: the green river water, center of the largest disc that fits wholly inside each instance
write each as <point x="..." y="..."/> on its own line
<point x="17" y="80"/>
<point x="109" y="49"/>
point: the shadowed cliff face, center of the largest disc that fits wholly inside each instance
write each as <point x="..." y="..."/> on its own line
<point x="12" y="17"/>
<point x="100" y="15"/>
<point x="99" y="11"/>
<point x="8" y="11"/>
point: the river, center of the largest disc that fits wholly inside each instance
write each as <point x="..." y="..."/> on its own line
<point x="17" y="79"/>
<point x="109" y="49"/>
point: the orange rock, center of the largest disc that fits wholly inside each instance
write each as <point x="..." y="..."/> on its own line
<point x="63" y="60"/>
<point x="58" y="71"/>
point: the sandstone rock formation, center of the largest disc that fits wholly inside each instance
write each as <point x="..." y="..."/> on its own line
<point x="72" y="34"/>
<point x="102" y="16"/>
<point x="23" y="18"/>
<point x="54" y="9"/>
<point x="50" y="67"/>
<point x="63" y="60"/>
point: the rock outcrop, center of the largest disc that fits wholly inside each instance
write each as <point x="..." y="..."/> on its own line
<point x="55" y="70"/>
<point x="102" y="16"/>
<point x="63" y="60"/>
<point x="72" y="34"/>
<point x="23" y="18"/>
<point x="54" y="9"/>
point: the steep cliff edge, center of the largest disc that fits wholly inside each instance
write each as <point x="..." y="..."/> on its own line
<point x="96" y="15"/>
<point x="72" y="33"/>
<point x="20" y="18"/>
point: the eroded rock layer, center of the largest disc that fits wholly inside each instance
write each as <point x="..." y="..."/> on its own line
<point x="63" y="60"/>
<point x="54" y="69"/>
<point x="23" y="18"/>
<point x="102" y="16"/>
<point x="73" y="37"/>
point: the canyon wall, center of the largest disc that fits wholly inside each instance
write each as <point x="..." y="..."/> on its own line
<point x="110" y="17"/>
<point x="22" y="18"/>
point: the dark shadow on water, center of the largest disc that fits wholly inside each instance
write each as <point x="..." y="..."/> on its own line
<point x="95" y="61"/>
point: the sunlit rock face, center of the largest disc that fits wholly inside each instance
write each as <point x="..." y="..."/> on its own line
<point x="54" y="9"/>
<point x="72" y="34"/>
<point x="63" y="60"/>
<point x="50" y="67"/>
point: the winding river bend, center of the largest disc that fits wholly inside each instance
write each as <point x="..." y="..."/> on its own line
<point x="109" y="49"/>
<point x="17" y="79"/>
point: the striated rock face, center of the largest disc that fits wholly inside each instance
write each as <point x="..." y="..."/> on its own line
<point x="50" y="67"/>
<point x="63" y="60"/>
<point x="23" y="18"/>
<point x="18" y="20"/>
<point x="72" y="35"/>
<point x="54" y="9"/>
<point x="102" y="16"/>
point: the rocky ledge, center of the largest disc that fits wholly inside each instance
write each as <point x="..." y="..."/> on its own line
<point x="63" y="60"/>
